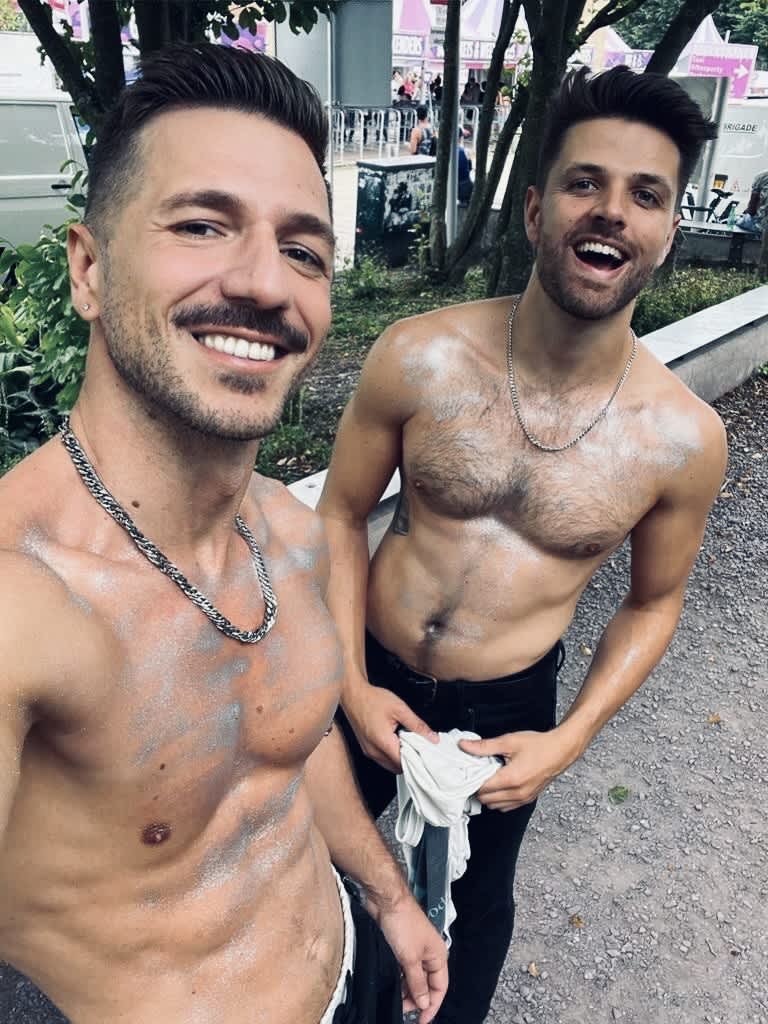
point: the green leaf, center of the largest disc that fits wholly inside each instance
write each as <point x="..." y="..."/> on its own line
<point x="618" y="794"/>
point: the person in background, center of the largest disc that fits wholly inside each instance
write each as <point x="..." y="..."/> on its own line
<point x="465" y="183"/>
<point x="423" y="136"/>
<point x="755" y="217"/>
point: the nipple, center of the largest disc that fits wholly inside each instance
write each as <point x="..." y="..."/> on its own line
<point x="155" y="834"/>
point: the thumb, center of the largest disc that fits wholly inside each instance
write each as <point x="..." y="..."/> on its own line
<point x="481" y="748"/>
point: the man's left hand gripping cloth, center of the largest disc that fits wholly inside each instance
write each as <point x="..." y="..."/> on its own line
<point x="436" y="796"/>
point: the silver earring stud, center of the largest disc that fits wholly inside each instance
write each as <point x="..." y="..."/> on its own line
<point x="86" y="306"/>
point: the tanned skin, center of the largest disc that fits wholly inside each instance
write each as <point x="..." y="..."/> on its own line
<point x="495" y="540"/>
<point x="169" y="798"/>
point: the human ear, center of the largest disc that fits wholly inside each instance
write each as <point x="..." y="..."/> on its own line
<point x="84" y="277"/>
<point x="532" y="214"/>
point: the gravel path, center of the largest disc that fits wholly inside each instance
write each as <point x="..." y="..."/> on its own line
<point x="653" y="910"/>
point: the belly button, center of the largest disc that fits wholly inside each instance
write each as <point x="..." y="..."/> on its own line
<point x="155" y="834"/>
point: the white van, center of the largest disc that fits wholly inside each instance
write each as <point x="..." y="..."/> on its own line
<point x="37" y="136"/>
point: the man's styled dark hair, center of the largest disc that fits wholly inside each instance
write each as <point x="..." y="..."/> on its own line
<point x="186" y="77"/>
<point x="654" y="100"/>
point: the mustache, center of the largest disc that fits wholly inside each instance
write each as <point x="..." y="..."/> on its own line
<point x="247" y="316"/>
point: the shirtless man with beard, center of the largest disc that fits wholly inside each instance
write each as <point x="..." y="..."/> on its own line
<point x="533" y="434"/>
<point x="172" y="790"/>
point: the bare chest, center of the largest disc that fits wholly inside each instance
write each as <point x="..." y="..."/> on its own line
<point x="579" y="503"/>
<point x="185" y="719"/>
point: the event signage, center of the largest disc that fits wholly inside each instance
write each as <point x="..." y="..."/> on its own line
<point x="407" y="46"/>
<point x="725" y="60"/>
<point x="635" y="59"/>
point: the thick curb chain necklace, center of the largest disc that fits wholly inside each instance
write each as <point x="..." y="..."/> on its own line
<point x="154" y="555"/>
<point x="516" y="400"/>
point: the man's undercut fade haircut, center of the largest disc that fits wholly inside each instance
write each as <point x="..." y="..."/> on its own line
<point x="649" y="99"/>
<point x="189" y="77"/>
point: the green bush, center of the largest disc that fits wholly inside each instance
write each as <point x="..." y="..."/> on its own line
<point x="686" y="291"/>
<point x="43" y="342"/>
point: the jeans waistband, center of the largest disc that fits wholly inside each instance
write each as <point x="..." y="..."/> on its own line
<point x="483" y="691"/>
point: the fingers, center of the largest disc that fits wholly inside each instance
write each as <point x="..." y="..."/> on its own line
<point x="411" y="721"/>
<point x="432" y="982"/>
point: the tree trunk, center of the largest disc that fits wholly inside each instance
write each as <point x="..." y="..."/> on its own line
<point x="461" y="253"/>
<point x="681" y="28"/>
<point x="445" y="142"/>
<point x="456" y="262"/>
<point x="65" y="60"/>
<point x="512" y="258"/>
<point x="151" y="23"/>
<point x="109" y="75"/>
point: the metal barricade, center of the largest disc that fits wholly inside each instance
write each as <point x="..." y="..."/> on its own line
<point x="338" y="118"/>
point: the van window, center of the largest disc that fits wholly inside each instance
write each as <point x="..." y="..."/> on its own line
<point x="31" y="139"/>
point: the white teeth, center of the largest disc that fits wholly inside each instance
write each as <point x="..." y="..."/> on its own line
<point x="263" y="353"/>
<point x="599" y="247"/>
<point x="239" y="347"/>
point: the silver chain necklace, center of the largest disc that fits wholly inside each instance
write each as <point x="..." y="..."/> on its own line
<point x="154" y="555"/>
<point x="516" y="400"/>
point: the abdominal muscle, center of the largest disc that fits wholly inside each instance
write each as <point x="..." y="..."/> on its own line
<point x="472" y="600"/>
<point x="256" y="940"/>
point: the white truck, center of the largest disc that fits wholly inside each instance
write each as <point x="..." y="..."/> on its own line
<point x="38" y="136"/>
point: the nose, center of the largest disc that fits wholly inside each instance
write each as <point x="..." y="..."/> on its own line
<point x="609" y="205"/>
<point x="258" y="271"/>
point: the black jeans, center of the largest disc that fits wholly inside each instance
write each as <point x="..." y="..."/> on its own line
<point x="483" y="896"/>
<point x="374" y="994"/>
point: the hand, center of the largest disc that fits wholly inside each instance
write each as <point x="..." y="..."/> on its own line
<point x="531" y="761"/>
<point x="421" y="953"/>
<point x="375" y="715"/>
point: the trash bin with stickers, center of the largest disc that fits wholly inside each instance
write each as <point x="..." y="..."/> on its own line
<point x="394" y="197"/>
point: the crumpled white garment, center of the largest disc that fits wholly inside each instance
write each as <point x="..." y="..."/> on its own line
<point x="438" y="785"/>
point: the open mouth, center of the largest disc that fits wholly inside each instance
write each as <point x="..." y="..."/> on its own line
<point x="600" y="255"/>
<point x="256" y="351"/>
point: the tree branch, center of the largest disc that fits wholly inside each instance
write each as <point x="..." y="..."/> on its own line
<point x="64" y="58"/>
<point x="107" y="51"/>
<point x="613" y="11"/>
<point x="681" y="28"/>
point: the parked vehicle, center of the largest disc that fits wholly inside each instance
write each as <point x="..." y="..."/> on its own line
<point x="38" y="137"/>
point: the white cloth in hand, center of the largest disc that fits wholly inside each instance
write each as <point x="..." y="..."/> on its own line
<point x="438" y="785"/>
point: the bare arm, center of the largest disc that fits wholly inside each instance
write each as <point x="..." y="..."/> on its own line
<point x="365" y="455"/>
<point x="357" y="849"/>
<point x="664" y="547"/>
<point x="415" y="139"/>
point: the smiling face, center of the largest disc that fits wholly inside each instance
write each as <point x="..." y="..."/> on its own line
<point x="606" y="218"/>
<point x="214" y="288"/>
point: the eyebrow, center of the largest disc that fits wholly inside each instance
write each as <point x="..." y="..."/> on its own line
<point x="227" y="203"/>
<point x="640" y="178"/>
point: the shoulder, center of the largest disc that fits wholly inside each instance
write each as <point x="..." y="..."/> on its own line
<point x="440" y="336"/>
<point x="688" y="433"/>
<point x="290" y="521"/>
<point x="51" y="643"/>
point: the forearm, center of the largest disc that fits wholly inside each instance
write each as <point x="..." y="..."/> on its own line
<point x="346" y="596"/>
<point x="631" y="646"/>
<point x="354" y="842"/>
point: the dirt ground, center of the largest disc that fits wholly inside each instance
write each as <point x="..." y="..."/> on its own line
<point x="653" y="910"/>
